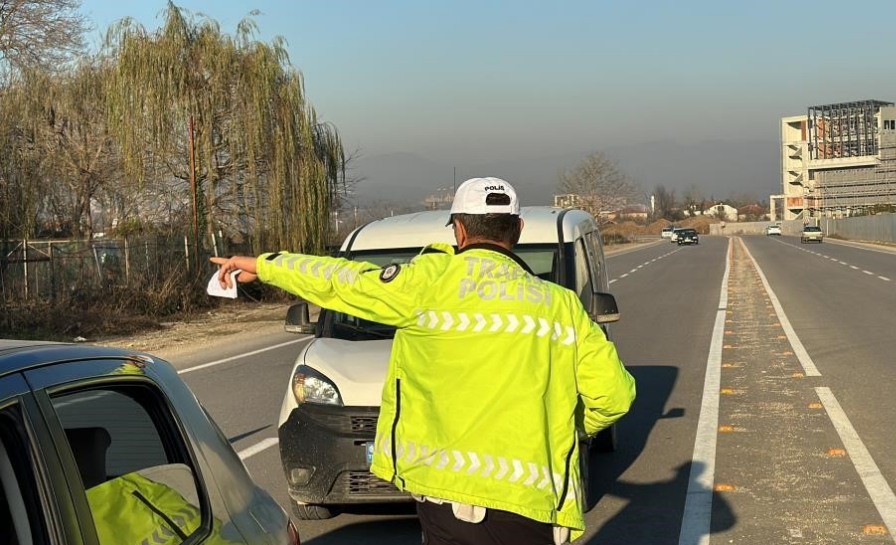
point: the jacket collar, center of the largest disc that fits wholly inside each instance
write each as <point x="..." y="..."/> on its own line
<point x="499" y="249"/>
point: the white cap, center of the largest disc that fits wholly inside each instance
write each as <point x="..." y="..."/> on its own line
<point x="474" y="196"/>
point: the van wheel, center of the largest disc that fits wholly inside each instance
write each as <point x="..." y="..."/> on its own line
<point x="605" y="441"/>
<point x="305" y="511"/>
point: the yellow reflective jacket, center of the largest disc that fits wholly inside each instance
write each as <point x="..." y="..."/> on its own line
<point x="134" y="510"/>
<point x="492" y="372"/>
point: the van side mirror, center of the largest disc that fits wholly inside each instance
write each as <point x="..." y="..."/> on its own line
<point x="604" y="309"/>
<point x="298" y="320"/>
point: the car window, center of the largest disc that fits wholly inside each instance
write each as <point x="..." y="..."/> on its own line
<point x="133" y="463"/>
<point x="584" y="286"/>
<point x="20" y="518"/>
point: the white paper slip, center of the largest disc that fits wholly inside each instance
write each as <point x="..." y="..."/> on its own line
<point x="215" y="289"/>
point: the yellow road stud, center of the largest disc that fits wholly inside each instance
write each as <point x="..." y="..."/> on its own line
<point x="874" y="530"/>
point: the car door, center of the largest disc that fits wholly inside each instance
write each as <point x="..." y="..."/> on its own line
<point x="33" y="507"/>
<point x="128" y="463"/>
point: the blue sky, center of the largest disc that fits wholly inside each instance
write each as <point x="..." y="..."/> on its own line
<point x="467" y="81"/>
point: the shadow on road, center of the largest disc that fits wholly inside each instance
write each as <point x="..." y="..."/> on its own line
<point x="653" y="511"/>
<point x="249" y="433"/>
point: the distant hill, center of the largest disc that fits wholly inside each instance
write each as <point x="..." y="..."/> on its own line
<point x="720" y="168"/>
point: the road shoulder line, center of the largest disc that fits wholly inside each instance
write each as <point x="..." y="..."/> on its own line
<point x="875" y="483"/>
<point x="798" y="349"/>
<point x="695" y="521"/>
<point x="238" y="356"/>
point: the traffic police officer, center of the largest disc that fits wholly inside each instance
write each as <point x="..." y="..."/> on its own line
<point x="480" y="421"/>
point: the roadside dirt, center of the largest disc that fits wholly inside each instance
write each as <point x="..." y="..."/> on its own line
<point x="233" y="321"/>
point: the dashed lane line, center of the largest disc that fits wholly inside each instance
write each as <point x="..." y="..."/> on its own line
<point x="836" y="260"/>
<point x="642" y="265"/>
<point x="258" y="447"/>
<point x="238" y="356"/>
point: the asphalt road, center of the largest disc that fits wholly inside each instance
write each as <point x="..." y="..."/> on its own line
<point x="761" y="417"/>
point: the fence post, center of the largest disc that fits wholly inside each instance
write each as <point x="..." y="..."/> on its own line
<point x="25" y="263"/>
<point x="127" y="262"/>
<point x="187" y="252"/>
<point x="52" y="273"/>
<point x="215" y="243"/>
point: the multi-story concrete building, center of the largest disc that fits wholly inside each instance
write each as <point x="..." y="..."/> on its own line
<point x="837" y="160"/>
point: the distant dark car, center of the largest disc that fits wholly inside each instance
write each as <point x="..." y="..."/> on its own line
<point x="687" y="236"/>
<point x="811" y="233"/>
<point x="100" y="445"/>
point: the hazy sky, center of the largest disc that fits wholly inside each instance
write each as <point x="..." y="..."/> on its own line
<point x="477" y="81"/>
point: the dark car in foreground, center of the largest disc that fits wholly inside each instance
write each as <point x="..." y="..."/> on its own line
<point x="687" y="236"/>
<point x="108" y="446"/>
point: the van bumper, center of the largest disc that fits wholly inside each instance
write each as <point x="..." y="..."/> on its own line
<point x="323" y="450"/>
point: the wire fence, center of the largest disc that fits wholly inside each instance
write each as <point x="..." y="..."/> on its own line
<point x="153" y="275"/>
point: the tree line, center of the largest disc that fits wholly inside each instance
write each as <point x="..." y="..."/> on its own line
<point x="184" y="129"/>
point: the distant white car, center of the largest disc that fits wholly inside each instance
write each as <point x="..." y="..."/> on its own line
<point x="773" y="230"/>
<point x="674" y="236"/>
<point x="667" y="232"/>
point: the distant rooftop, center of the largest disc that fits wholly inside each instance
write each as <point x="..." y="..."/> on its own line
<point x="876" y="104"/>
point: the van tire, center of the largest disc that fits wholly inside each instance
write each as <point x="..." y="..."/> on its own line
<point x="306" y="511"/>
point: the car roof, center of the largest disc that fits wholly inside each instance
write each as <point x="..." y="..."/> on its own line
<point x="422" y="228"/>
<point x="17" y="356"/>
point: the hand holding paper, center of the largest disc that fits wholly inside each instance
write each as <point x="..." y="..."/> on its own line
<point x="215" y="289"/>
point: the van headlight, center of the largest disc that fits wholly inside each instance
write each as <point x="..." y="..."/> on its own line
<point x="309" y="386"/>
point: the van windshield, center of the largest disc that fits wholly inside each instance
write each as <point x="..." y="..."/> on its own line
<point x="541" y="258"/>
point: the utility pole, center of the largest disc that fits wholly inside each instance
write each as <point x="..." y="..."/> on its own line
<point x="454" y="184"/>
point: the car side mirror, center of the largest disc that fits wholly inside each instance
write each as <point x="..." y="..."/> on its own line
<point x="298" y="320"/>
<point x="604" y="309"/>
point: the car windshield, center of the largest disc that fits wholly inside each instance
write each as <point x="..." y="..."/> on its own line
<point x="541" y="258"/>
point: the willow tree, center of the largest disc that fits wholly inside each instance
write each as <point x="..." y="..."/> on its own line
<point x="226" y="116"/>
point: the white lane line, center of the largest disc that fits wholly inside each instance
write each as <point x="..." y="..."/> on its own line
<point x="611" y="281"/>
<point x="623" y="276"/>
<point x="632" y="250"/>
<point x="853" y="267"/>
<point x="698" y="500"/>
<point x="843" y="262"/>
<point x="258" y="447"/>
<point x="633" y="271"/>
<point x="795" y="343"/>
<point x="868" y="273"/>
<point x="238" y="356"/>
<point x="875" y="483"/>
<point x="884" y="278"/>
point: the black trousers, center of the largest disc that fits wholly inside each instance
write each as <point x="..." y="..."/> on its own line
<point x="441" y="527"/>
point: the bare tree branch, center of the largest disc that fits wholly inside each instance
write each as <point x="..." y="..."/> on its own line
<point x="599" y="185"/>
<point x="40" y="32"/>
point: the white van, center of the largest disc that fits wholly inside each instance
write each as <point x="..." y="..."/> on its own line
<point x="326" y="440"/>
